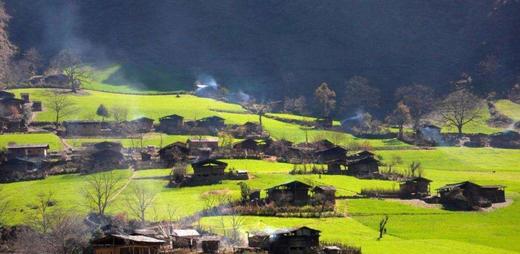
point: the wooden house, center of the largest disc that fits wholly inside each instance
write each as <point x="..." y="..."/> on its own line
<point x="247" y="145"/>
<point x="362" y="164"/>
<point x="334" y="157"/>
<point x="195" y="145"/>
<point x="294" y="193"/>
<point x="174" y="152"/>
<point x="212" y="123"/>
<point x="139" y="125"/>
<point x="27" y="151"/>
<point x="82" y="128"/>
<point x="277" y="148"/>
<point x="469" y="196"/>
<point x="171" y="124"/>
<point x="208" y="171"/>
<point x="17" y="169"/>
<point x="10" y="106"/>
<point x="416" y="187"/>
<point x="325" y="194"/>
<point x="185" y="238"/>
<point x="6" y="95"/>
<point x="322" y="144"/>
<point x="210" y="244"/>
<point x="126" y="244"/>
<point x="295" y="240"/>
<point x="108" y="145"/>
<point x="106" y="155"/>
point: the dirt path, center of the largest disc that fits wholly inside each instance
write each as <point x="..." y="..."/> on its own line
<point x="126" y="184"/>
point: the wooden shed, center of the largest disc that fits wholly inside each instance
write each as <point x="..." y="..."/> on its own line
<point x="171" y="124"/>
<point x="295" y="240"/>
<point x="126" y="244"/>
<point x="362" y="164"/>
<point x="209" y="171"/>
<point x="27" y="150"/>
<point x="415" y="187"/>
<point x="294" y="193"/>
<point x="185" y="238"/>
<point x="325" y="194"/>
<point x="468" y="195"/>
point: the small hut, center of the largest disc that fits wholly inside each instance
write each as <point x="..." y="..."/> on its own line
<point x="185" y="238"/>
<point x="123" y="244"/>
<point x="295" y="240"/>
<point x="470" y="196"/>
<point x="362" y="164"/>
<point x="324" y="194"/>
<point x="294" y="193"/>
<point x="416" y="187"/>
<point x="171" y="124"/>
<point x="210" y="245"/>
<point x="208" y="171"/>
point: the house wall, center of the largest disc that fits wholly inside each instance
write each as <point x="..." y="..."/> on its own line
<point x="82" y="129"/>
<point x="363" y="168"/>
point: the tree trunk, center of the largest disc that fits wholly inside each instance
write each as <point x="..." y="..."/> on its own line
<point x="400" y="134"/>
<point x="459" y="128"/>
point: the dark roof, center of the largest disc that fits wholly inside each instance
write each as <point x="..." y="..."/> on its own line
<point x="207" y="162"/>
<point x="81" y="122"/>
<point x="212" y="118"/>
<point x="108" y="145"/>
<point x="131" y="238"/>
<point x="417" y="179"/>
<point x="24" y="146"/>
<point x="325" y="188"/>
<point x="175" y="144"/>
<point x="6" y="94"/>
<point x="361" y="157"/>
<point x="461" y="185"/>
<point x="108" y="154"/>
<point x="431" y="126"/>
<point x="291" y="185"/>
<point x="335" y="149"/>
<point x="11" y="100"/>
<point x="141" y="119"/>
<point x="174" y="116"/>
<point x="293" y="230"/>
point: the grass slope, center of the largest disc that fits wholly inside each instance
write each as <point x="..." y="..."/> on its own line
<point x="33" y="138"/>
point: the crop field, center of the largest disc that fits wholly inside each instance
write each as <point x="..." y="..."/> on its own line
<point x="509" y="109"/>
<point x="36" y="138"/>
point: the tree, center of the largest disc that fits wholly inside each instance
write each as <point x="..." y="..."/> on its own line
<point x="41" y="219"/>
<point x="326" y="99"/>
<point x="70" y="64"/>
<point x="102" y="111"/>
<point x="60" y="104"/>
<point x="141" y="199"/>
<point x="295" y="105"/>
<point x="100" y="190"/>
<point x="7" y="49"/>
<point x="460" y="108"/>
<point x="260" y="109"/>
<point x="119" y="114"/>
<point x="419" y="99"/>
<point x="21" y="70"/>
<point x="414" y="168"/>
<point x="245" y="191"/>
<point x="360" y="94"/>
<point x="400" y="116"/>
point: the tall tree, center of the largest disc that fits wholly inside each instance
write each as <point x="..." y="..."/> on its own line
<point x="460" y="108"/>
<point x="326" y="99"/>
<point x="400" y="116"/>
<point x="419" y="99"/>
<point x="70" y="64"/>
<point x="359" y="93"/>
<point x="60" y="104"/>
<point x="140" y="200"/>
<point x="7" y="49"/>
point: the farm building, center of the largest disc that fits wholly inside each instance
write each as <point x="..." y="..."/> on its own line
<point x="174" y="152"/>
<point x="247" y="145"/>
<point x="6" y="95"/>
<point x="200" y="146"/>
<point x="416" y="187"/>
<point x="139" y="125"/>
<point x="108" y="145"/>
<point x="288" y="241"/>
<point x="277" y="148"/>
<point x="208" y="171"/>
<point x="210" y="244"/>
<point x="12" y="124"/>
<point x="171" y="124"/>
<point x="11" y="106"/>
<point x="335" y="154"/>
<point x="106" y="155"/>
<point x="212" y="122"/>
<point x="362" y="164"/>
<point x="126" y="244"/>
<point x="325" y="194"/>
<point x="322" y="144"/>
<point x="185" y="238"/>
<point x="27" y="151"/>
<point x="470" y="196"/>
<point x="82" y="128"/>
<point x="294" y="193"/>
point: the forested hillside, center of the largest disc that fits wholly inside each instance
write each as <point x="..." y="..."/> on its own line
<point x="266" y="46"/>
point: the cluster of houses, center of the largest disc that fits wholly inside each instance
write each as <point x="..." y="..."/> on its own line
<point x="149" y="241"/>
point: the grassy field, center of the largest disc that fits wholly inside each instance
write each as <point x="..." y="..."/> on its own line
<point x="36" y="138"/>
<point x="155" y="139"/>
<point x="509" y="109"/>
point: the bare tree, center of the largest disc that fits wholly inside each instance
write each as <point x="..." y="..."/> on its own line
<point x="119" y="113"/>
<point x="260" y="110"/>
<point x="140" y="200"/>
<point x="60" y="104"/>
<point x="100" y="190"/>
<point x="70" y="64"/>
<point x="419" y="99"/>
<point x="41" y="218"/>
<point x="400" y="116"/>
<point x="236" y="222"/>
<point x="326" y="98"/>
<point x="382" y="227"/>
<point x="460" y="108"/>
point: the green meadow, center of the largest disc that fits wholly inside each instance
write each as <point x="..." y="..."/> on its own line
<point x="54" y="141"/>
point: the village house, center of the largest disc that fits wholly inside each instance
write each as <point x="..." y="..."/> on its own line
<point x="288" y="241"/>
<point x="208" y="171"/>
<point x="363" y="164"/>
<point x="470" y="196"/>
<point x="335" y="158"/>
<point x="10" y="106"/>
<point x="126" y="244"/>
<point x="201" y="147"/>
<point x="139" y="125"/>
<point x="416" y="187"/>
<point x="278" y="148"/>
<point x="248" y="145"/>
<point x="173" y="153"/>
<point x="26" y="151"/>
<point x="83" y="128"/>
<point x="185" y="238"/>
<point x="293" y="193"/>
<point x="211" y="122"/>
<point x="106" y="156"/>
<point x="171" y="124"/>
<point x="324" y="194"/>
